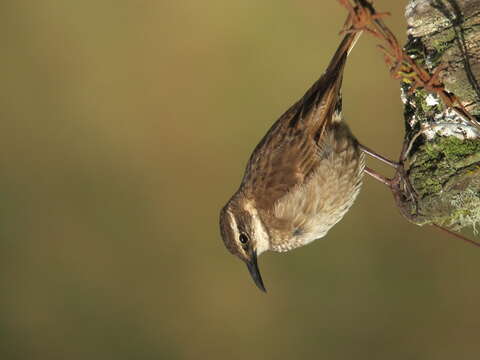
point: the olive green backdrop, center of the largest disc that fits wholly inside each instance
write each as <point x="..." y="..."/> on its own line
<point x="126" y="125"/>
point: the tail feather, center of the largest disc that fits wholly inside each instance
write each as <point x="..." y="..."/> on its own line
<point x="319" y="102"/>
<point x="343" y="50"/>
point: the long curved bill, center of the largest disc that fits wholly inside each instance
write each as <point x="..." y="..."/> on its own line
<point x="252" y="266"/>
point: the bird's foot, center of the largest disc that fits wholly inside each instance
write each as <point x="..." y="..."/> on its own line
<point x="377" y="156"/>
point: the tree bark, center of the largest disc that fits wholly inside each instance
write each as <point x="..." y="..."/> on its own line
<point x="443" y="149"/>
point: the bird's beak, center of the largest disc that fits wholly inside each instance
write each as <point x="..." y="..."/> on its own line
<point x="252" y="266"/>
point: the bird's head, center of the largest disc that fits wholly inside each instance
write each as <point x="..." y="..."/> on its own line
<point x="244" y="235"/>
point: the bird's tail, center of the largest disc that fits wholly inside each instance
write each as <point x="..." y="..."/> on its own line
<point x="338" y="60"/>
<point x="323" y="98"/>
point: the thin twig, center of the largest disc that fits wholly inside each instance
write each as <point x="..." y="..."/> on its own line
<point x="402" y="66"/>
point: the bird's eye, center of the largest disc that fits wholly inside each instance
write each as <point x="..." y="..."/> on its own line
<point x="243" y="238"/>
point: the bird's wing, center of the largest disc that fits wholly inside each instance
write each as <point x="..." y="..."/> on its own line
<point x="292" y="148"/>
<point x="282" y="166"/>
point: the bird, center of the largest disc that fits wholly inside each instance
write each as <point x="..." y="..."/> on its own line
<point x="301" y="178"/>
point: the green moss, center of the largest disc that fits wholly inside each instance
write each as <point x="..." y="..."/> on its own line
<point x="420" y="102"/>
<point x="428" y="51"/>
<point x="445" y="173"/>
<point x="440" y="43"/>
<point x="448" y="152"/>
<point x="419" y="107"/>
<point x="466" y="205"/>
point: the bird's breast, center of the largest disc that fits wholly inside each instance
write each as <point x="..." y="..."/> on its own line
<point x="310" y="209"/>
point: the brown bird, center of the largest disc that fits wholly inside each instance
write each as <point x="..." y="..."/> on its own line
<point x="301" y="178"/>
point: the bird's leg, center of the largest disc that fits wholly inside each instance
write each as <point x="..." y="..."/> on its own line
<point x="384" y="180"/>
<point x="377" y="156"/>
<point x="400" y="185"/>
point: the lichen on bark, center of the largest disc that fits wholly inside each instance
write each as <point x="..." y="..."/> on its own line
<point x="443" y="149"/>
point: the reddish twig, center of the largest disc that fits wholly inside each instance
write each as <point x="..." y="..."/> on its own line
<point x="363" y="17"/>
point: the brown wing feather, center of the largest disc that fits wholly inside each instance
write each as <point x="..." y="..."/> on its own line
<point x="289" y="152"/>
<point x="279" y="167"/>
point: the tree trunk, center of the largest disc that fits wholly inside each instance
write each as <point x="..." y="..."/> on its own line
<point x="443" y="149"/>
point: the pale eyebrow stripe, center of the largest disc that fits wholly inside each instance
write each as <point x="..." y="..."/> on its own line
<point x="234" y="224"/>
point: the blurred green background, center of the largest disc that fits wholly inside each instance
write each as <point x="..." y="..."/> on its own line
<point x="126" y="125"/>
